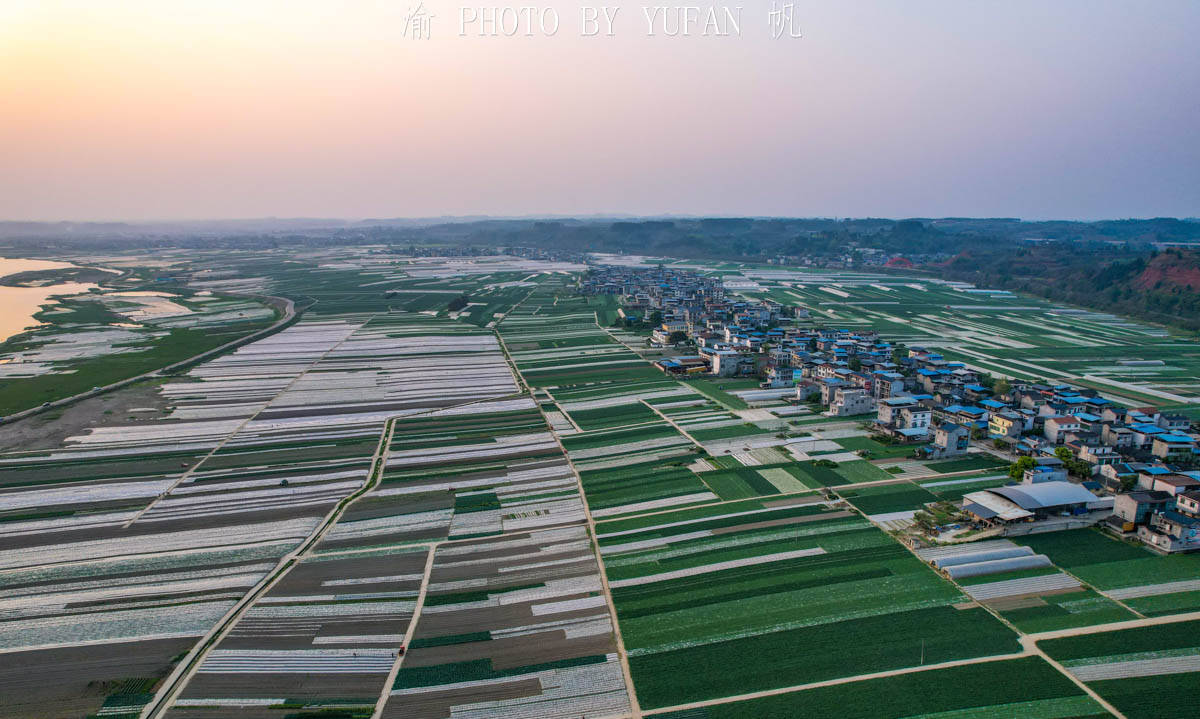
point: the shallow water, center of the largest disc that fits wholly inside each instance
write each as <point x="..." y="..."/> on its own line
<point x="19" y="304"/>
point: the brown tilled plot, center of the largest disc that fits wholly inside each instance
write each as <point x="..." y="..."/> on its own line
<point x="75" y="680"/>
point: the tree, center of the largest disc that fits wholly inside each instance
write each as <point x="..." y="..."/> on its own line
<point x="655" y="318"/>
<point x="1002" y="386"/>
<point x="855" y="364"/>
<point x="1075" y="466"/>
<point x="677" y="336"/>
<point x="924" y="520"/>
<point x="1017" y="470"/>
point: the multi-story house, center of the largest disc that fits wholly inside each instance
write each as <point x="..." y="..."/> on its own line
<point x="1173" y="447"/>
<point x="1007" y="424"/>
<point x="1056" y="428"/>
<point x="949" y="440"/>
<point x="848" y="402"/>
<point x="1116" y="436"/>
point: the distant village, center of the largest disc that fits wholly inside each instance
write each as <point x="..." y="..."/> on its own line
<point x="1077" y="457"/>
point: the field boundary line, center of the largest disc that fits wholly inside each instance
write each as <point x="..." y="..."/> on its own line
<point x="179" y="677"/>
<point x="841" y="680"/>
<point x="234" y="432"/>
<point x="1032" y="645"/>
<point x="622" y="656"/>
<point x="408" y="634"/>
<point x="634" y="709"/>
<point x="1113" y="626"/>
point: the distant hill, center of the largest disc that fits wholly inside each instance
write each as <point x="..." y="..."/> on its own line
<point x="1171" y="269"/>
<point x="1162" y="287"/>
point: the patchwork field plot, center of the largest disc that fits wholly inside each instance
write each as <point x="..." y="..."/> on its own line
<point x="477" y="470"/>
<point x="1024" y="587"/>
<point x="952" y="490"/>
<point x="1143" y="672"/>
<point x="721" y="391"/>
<point x="744" y="482"/>
<point x="816" y="474"/>
<point x="554" y="340"/>
<point x="115" y="333"/>
<point x="714" y="602"/>
<point x="1028" y="688"/>
<point x="875" y="449"/>
<point x="705" y="420"/>
<point x="637" y="470"/>
<point x="978" y="461"/>
<point x="1146" y="582"/>
<point x="615" y="404"/>
<point x="131" y="535"/>
<point x="327" y="634"/>
<point x="109" y="680"/>
<point x="888" y="499"/>
<point x="512" y="626"/>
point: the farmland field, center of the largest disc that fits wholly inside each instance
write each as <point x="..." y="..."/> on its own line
<point x="1028" y="688"/>
<point x="521" y="619"/>
<point x="1146" y="582"/>
<point x="455" y="487"/>
<point x="887" y="498"/>
<point x="708" y="604"/>
<point x="1143" y="672"/>
<point x="1038" y="598"/>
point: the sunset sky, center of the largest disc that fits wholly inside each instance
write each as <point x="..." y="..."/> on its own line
<point x="189" y="109"/>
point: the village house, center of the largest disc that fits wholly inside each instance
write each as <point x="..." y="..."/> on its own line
<point x="949" y="440"/>
<point x="904" y="418"/>
<point x="1116" y="436"/>
<point x="1171" y="531"/>
<point x="779" y="377"/>
<point x="1097" y="455"/>
<point x="1008" y="424"/>
<point x="1133" y="509"/>
<point x="1173" y="447"/>
<point x="1047" y="469"/>
<point x="1143" y="434"/>
<point x="887" y="384"/>
<point x="848" y="402"/>
<point x="1163" y="479"/>
<point x="969" y="417"/>
<point x="731" y="363"/>
<point x="1189" y="503"/>
<point x="1056" y="428"/>
<point x="1177" y="423"/>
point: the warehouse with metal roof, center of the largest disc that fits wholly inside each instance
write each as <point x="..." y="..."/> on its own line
<point x="1031" y="502"/>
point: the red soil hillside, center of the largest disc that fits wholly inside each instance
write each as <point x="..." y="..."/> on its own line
<point x="1172" y="269"/>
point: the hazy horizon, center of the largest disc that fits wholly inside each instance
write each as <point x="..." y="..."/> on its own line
<point x="142" y="111"/>
<point x="582" y="217"/>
